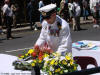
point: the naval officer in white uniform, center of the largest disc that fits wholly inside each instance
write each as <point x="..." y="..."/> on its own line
<point x="55" y="31"/>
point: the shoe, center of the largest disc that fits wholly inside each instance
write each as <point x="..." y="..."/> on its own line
<point x="80" y="29"/>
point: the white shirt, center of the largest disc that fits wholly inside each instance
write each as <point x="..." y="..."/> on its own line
<point x="93" y="3"/>
<point x="41" y="4"/>
<point x="7" y="10"/>
<point x="70" y="6"/>
<point x="61" y="43"/>
<point x="77" y="9"/>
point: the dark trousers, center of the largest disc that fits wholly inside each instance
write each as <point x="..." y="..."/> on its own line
<point x="8" y="21"/>
<point x="31" y="20"/>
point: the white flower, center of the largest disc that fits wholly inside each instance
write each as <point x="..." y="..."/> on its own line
<point x="65" y="71"/>
<point x="56" y="58"/>
<point x="51" y="68"/>
<point x="46" y="58"/>
<point x="68" y="64"/>
<point x="45" y="63"/>
<point x="62" y="58"/>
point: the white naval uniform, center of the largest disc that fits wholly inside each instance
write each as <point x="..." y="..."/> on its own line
<point x="61" y="43"/>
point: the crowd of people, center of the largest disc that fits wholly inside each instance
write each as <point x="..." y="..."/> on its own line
<point x="70" y="10"/>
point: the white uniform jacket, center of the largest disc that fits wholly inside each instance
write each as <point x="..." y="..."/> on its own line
<point x="57" y="39"/>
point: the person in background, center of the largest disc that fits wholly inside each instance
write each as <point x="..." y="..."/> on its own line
<point x="76" y="16"/>
<point x="95" y="7"/>
<point x="1" y="31"/>
<point x="63" y="12"/>
<point x="14" y="8"/>
<point x="55" y="34"/>
<point x="41" y="4"/>
<point x="85" y="9"/>
<point x="70" y="7"/>
<point x="31" y="13"/>
<point x="2" y="18"/>
<point x="7" y="14"/>
<point x="62" y="6"/>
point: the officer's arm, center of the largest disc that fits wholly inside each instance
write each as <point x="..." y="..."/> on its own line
<point x="42" y="37"/>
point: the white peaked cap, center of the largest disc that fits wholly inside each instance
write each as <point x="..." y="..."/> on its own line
<point x="47" y="8"/>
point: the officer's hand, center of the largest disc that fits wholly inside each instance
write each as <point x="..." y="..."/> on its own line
<point x="36" y="47"/>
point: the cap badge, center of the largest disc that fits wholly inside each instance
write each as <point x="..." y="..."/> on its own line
<point x="44" y="13"/>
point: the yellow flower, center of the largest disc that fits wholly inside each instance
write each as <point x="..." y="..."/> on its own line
<point x="19" y="58"/>
<point x="34" y="61"/>
<point x="67" y="57"/>
<point x="64" y="62"/>
<point x="61" y="72"/>
<point x="22" y="56"/>
<point x="71" y="62"/>
<point x="56" y="63"/>
<point x="50" y="73"/>
<point x="58" y="70"/>
<point x="45" y="55"/>
<point x="52" y="62"/>
<point x="33" y="64"/>
<point x="40" y="61"/>
<point x="75" y="68"/>
<point x="26" y="54"/>
<point x="30" y="51"/>
<point x="56" y="54"/>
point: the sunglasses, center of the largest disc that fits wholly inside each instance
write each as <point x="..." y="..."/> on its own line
<point x="47" y="17"/>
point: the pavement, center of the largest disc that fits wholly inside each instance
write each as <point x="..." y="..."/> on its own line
<point x="25" y="26"/>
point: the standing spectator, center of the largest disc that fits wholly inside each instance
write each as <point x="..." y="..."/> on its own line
<point x="14" y="8"/>
<point x="0" y="22"/>
<point x="31" y="12"/>
<point x="63" y="12"/>
<point x="70" y="8"/>
<point x="99" y="11"/>
<point x="76" y="16"/>
<point x="95" y="7"/>
<point x="7" y="14"/>
<point x="41" y="4"/>
<point x="85" y="9"/>
<point x="2" y="17"/>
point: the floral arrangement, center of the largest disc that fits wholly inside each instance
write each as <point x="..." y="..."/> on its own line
<point x="55" y="64"/>
<point x="49" y="62"/>
<point x="34" y="57"/>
